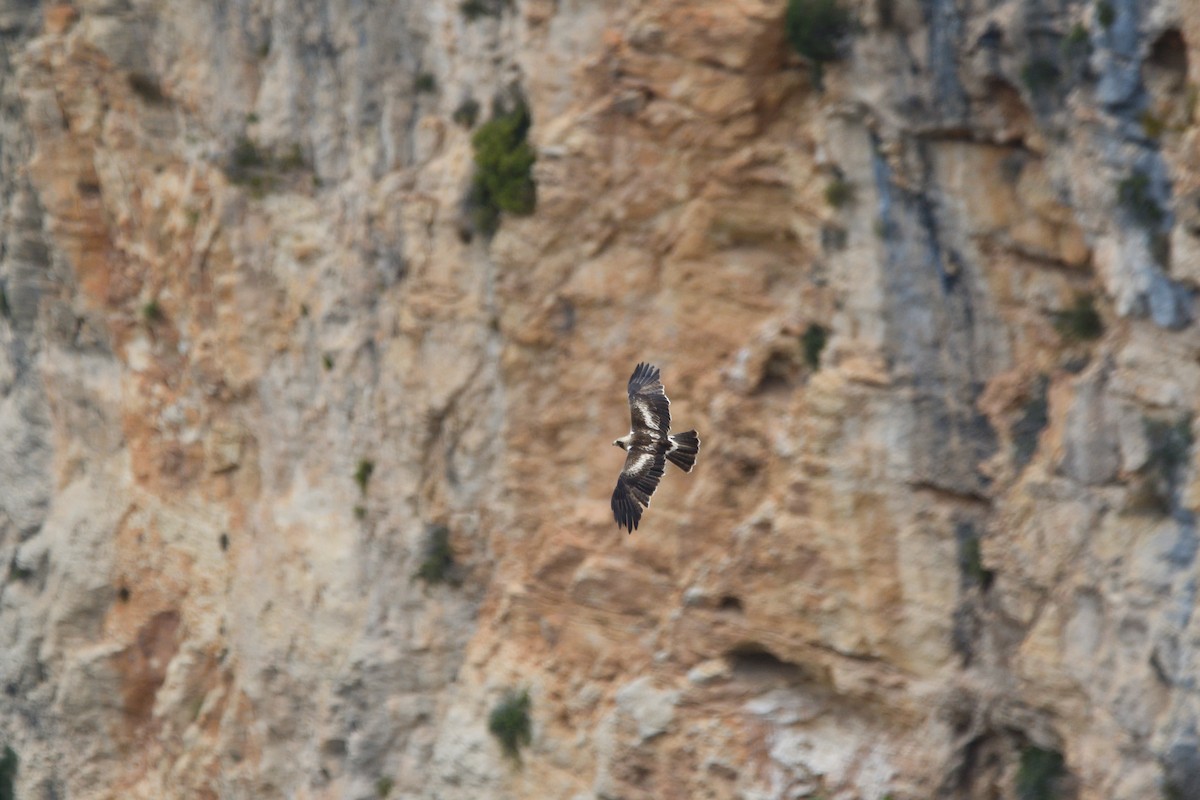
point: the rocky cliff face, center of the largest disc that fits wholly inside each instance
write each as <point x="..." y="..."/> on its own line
<point x="934" y="320"/>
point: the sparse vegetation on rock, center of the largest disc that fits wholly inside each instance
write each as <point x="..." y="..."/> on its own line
<point x="1136" y="197"/>
<point x="1038" y="774"/>
<point x="1081" y="322"/>
<point x="261" y="170"/>
<point x="362" y="475"/>
<point x="839" y="192"/>
<point x="425" y="83"/>
<point x="1040" y="75"/>
<point x="151" y="311"/>
<point x="814" y="339"/>
<point x="467" y="113"/>
<point x="503" y="180"/>
<point x="816" y="28"/>
<point x="437" y="558"/>
<point x="510" y="723"/>
<point x="474" y="9"/>
<point x="8" y="774"/>
<point x="970" y="559"/>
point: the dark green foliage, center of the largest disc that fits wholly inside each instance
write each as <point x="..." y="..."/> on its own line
<point x="839" y="192"/>
<point x="970" y="558"/>
<point x="467" y="113"/>
<point x="1033" y="420"/>
<point x="17" y="572"/>
<point x="1081" y="322"/>
<point x="1106" y="15"/>
<point x="437" y="560"/>
<point x="1152" y="124"/>
<point x="816" y="27"/>
<point x="474" y="9"/>
<point x="362" y="475"/>
<point x="151" y="311"/>
<point x="327" y="361"/>
<point x="1135" y="196"/>
<point x="251" y="166"/>
<point x="1075" y="47"/>
<point x="383" y="787"/>
<point x="970" y="561"/>
<point x="8" y="774"/>
<point x="1040" y="75"/>
<point x="1077" y="37"/>
<point x="509" y="722"/>
<point x="503" y="180"/>
<point x="425" y="83"/>
<point x="292" y="159"/>
<point x="814" y="339"/>
<point x="246" y="156"/>
<point x="5" y="308"/>
<point x="1169" y="445"/>
<point x="147" y="88"/>
<point x="1038" y="774"/>
<point x="360" y="512"/>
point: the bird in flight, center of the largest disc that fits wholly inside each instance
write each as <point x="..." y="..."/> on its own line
<point x="649" y="446"/>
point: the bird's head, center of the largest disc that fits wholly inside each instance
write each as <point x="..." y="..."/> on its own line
<point x="622" y="443"/>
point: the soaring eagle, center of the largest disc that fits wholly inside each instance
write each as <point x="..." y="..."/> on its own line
<point x="649" y="446"/>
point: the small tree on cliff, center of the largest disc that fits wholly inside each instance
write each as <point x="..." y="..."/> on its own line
<point x="503" y="170"/>
<point x="816" y="29"/>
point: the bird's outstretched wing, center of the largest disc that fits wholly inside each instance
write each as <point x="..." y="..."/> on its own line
<point x="649" y="407"/>
<point x="637" y="481"/>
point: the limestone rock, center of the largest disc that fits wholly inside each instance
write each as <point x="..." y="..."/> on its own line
<point x="299" y="473"/>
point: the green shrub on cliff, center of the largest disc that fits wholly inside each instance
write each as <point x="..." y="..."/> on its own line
<point x="362" y="475"/>
<point x="816" y="27"/>
<point x="1081" y="322"/>
<point x="437" y="560"/>
<point x="259" y="169"/>
<point x="509" y="722"/>
<point x="503" y="179"/>
<point x="151" y="311"/>
<point x="1038" y="774"/>
<point x="814" y="339"/>
<point x="1136" y="196"/>
<point x="8" y="774"/>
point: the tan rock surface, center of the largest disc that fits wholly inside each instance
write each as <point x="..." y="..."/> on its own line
<point x="961" y="541"/>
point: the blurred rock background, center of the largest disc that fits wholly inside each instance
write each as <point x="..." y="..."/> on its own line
<point x="305" y="461"/>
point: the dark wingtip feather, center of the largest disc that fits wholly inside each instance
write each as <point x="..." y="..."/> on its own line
<point x="625" y="510"/>
<point x="643" y="374"/>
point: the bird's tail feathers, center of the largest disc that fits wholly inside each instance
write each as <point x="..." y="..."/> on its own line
<point x="684" y="449"/>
